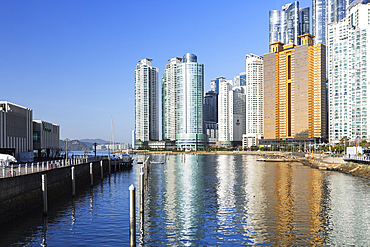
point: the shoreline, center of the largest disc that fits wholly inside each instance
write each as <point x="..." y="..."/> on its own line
<point x="350" y="168"/>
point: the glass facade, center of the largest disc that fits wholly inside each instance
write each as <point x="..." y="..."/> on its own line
<point x="286" y="25"/>
<point x="240" y="80"/>
<point x="325" y="12"/>
<point x="190" y="83"/>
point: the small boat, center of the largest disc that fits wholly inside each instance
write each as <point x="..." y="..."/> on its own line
<point x="261" y="159"/>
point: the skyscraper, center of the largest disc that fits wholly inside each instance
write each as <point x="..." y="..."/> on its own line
<point x="349" y="75"/>
<point x="325" y="12"/>
<point x="254" y="94"/>
<point x="190" y="83"/>
<point x="240" y="80"/>
<point x="287" y="25"/>
<point x="210" y="106"/>
<point x="231" y="113"/>
<point x="210" y="109"/>
<point x="146" y="101"/>
<point x="215" y="84"/>
<point x="295" y="91"/>
<point x="169" y="99"/>
<point x="225" y="111"/>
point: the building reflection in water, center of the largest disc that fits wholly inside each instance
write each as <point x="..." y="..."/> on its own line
<point x="190" y="199"/>
<point x="224" y="195"/>
<point x="225" y="191"/>
<point x="254" y="180"/>
<point x="297" y="207"/>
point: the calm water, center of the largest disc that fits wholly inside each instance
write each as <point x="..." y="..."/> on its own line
<point x="221" y="200"/>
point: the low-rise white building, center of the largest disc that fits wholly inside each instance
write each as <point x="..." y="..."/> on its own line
<point x="250" y="140"/>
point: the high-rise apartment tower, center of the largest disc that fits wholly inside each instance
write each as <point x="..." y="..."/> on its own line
<point x="349" y="75"/>
<point x="288" y="24"/>
<point x="146" y="101"/>
<point x="325" y="12"/>
<point x="169" y="99"/>
<point x="295" y="91"/>
<point x="190" y="83"/>
<point x="254" y="94"/>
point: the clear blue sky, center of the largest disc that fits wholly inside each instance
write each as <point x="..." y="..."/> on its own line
<point x="73" y="62"/>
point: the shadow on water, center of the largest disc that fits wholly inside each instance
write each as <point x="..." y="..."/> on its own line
<point x="34" y="227"/>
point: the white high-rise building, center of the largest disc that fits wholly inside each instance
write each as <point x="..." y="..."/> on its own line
<point x="254" y="94"/>
<point x="190" y="84"/>
<point x="349" y="75"/>
<point x="325" y="12"/>
<point x="146" y="101"/>
<point x="231" y="112"/>
<point x="225" y="111"/>
<point x="169" y="99"/>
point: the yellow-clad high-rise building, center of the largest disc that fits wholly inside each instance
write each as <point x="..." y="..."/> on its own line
<point x="295" y="90"/>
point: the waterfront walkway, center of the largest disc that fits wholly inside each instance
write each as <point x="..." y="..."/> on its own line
<point x="27" y="168"/>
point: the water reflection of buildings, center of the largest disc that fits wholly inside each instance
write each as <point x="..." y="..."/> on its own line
<point x="284" y="203"/>
<point x="176" y="200"/>
<point x="225" y="191"/>
<point x="297" y="206"/>
<point x="254" y="184"/>
<point x="264" y="203"/>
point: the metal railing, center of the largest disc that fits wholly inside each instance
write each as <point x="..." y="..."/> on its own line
<point x="355" y="157"/>
<point x="17" y="169"/>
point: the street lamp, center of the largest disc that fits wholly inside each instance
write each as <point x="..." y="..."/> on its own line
<point x="66" y="140"/>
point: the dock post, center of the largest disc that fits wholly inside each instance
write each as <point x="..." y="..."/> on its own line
<point x="38" y="167"/>
<point x="44" y="187"/>
<point x="19" y="169"/>
<point x="109" y="163"/>
<point x="101" y="170"/>
<point x="115" y="166"/>
<point x="32" y="167"/>
<point x="132" y="216"/>
<point x="73" y="181"/>
<point x="26" y="169"/>
<point x="3" y="162"/>
<point x="12" y="171"/>
<point x="197" y="158"/>
<point x="141" y="192"/>
<point x="109" y="168"/>
<point x="91" y="175"/>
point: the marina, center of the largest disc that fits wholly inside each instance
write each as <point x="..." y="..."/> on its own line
<point x="207" y="200"/>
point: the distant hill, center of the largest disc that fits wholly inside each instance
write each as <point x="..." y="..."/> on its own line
<point x="75" y="145"/>
<point x="98" y="141"/>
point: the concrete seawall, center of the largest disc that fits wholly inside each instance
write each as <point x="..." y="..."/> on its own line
<point x="21" y="194"/>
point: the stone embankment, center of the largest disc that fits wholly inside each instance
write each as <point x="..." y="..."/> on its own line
<point x="355" y="169"/>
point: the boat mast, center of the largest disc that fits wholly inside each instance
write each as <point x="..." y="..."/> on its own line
<point x="112" y="133"/>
